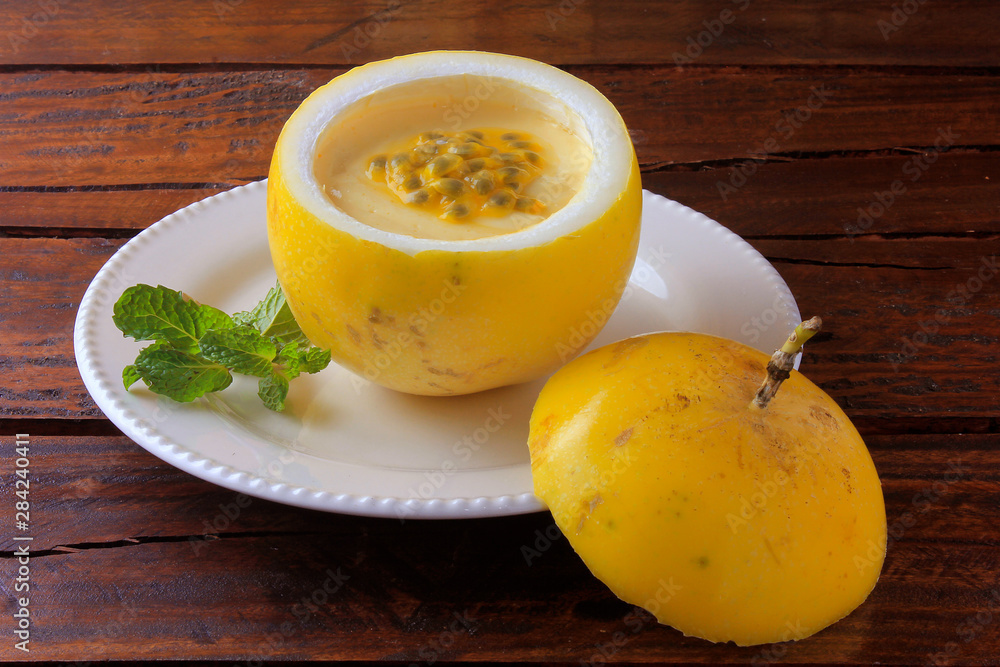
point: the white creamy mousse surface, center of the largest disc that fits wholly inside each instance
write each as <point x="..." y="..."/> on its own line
<point x="384" y="123"/>
<point x="567" y="100"/>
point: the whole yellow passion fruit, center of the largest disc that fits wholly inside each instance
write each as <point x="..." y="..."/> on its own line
<point x="728" y="509"/>
<point x="449" y="222"/>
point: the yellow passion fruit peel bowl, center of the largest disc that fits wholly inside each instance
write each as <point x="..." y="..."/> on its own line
<point x="442" y="317"/>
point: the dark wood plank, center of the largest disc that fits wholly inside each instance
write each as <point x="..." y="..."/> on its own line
<point x="336" y="587"/>
<point x="911" y="325"/>
<point x="919" y="317"/>
<point x="92" y="212"/>
<point x="631" y="31"/>
<point x="901" y="195"/>
<point x="41" y="284"/>
<point x="957" y="194"/>
<point x="71" y="129"/>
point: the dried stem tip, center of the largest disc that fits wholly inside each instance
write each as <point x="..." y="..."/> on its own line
<point x="782" y="361"/>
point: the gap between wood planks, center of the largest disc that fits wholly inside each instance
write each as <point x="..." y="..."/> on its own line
<point x="914" y="424"/>
<point x="649" y="168"/>
<point x="201" y="67"/>
<point x="894" y="151"/>
<point x="63" y="549"/>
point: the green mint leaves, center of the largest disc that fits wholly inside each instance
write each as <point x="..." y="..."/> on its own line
<point x="197" y="348"/>
<point x="147" y="313"/>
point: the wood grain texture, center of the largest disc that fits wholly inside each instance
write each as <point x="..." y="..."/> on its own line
<point x="957" y="195"/>
<point x="325" y="586"/>
<point x="40" y="290"/>
<point x="83" y="212"/>
<point x="932" y="354"/>
<point x="779" y="32"/>
<point x="74" y="129"/>
<point x="897" y="196"/>
<point x="808" y="128"/>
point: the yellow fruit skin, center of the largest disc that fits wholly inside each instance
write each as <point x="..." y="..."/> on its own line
<point x="726" y="522"/>
<point x="441" y="322"/>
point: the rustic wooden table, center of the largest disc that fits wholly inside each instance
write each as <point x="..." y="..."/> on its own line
<point x="853" y="143"/>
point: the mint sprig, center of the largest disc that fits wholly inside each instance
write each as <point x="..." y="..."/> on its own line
<point x="197" y="348"/>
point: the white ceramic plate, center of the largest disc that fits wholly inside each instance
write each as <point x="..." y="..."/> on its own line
<point x="345" y="445"/>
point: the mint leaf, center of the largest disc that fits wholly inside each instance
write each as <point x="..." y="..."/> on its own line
<point x="273" y="318"/>
<point x="273" y="390"/>
<point x="158" y="313"/>
<point x="315" y="359"/>
<point x="241" y="349"/>
<point x="196" y="348"/>
<point x="179" y="375"/>
<point x="295" y="360"/>
<point x="290" y="360"/>
<point x="130" y="375"/>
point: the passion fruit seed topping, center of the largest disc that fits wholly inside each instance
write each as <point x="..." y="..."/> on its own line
<point x="459" y="175"/>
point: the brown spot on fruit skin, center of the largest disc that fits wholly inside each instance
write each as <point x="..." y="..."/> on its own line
<point x="445" y="371"/>
<point x="540" y="442"/>
<point x="588" y="508"/>
<point x="770" y="550"/>
<point x="376" y="316"/>
<point x="594" y="502"/>
<point x="444" y="390"/>
<point x="623" y="437"/>
<point x="625" y="347"/>
<point x="353" y="333"/>
<point x="823" y="416"/>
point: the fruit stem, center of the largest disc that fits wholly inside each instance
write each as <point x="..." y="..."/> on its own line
<point x="782" y="361"/>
